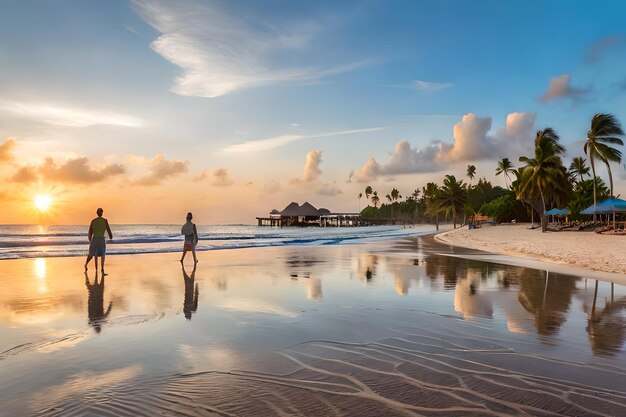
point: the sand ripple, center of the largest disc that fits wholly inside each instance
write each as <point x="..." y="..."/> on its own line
<point x="425" y="372"/>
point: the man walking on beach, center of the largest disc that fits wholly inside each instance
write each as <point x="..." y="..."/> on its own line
<point x="97" y="244"/>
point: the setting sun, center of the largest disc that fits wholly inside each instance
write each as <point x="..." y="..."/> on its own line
<point x="42" y="202"/>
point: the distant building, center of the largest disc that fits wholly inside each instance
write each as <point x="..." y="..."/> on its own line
<point x="307" y="215"/>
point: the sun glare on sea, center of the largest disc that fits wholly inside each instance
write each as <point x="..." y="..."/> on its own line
<point x="42" y="202"/>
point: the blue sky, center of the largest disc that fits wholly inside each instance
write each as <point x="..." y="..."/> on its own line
<point x="186" y="90"/>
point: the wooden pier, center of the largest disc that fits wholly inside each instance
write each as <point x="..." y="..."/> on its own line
<point x="306" y="215"/>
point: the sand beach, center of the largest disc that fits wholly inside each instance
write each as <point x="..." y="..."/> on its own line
<point x="394" y="327"/>
<point x="586" y="250"/>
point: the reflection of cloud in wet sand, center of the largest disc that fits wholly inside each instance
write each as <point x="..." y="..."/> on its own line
<point x="213" y="357"/>
<point x="401" y="284"/>
<point x="250" y="305"/>
<point x="314" y="289"/>
<point x="83" y="383"/>
<point x="469" y="300"/>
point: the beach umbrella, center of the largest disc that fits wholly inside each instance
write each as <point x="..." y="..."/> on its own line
<point x="557" y="212"/>
<point x="607" y="206"/>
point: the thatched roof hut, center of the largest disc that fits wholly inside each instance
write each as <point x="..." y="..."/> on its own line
<point x="295" y="210"/>
<point x="292" y="209"/>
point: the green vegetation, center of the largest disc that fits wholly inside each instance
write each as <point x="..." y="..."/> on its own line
<point x="541" y="183"/>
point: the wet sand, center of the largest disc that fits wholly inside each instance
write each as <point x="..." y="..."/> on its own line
<point x="392" y="328"/>
<point x="585" y="250"/>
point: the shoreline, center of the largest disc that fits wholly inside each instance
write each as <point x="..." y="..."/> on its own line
<point x="586" y="253"/>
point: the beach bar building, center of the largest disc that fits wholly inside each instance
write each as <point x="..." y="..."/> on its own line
<point x="307" y="215"/>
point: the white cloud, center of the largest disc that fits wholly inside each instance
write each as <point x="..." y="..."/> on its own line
<point x="472" y="142"/>
<point x="6" y="150"/>
<point x="596" y="50"/>
<point x="427" y="86"/>
<point x="263" y="144"/>
<point x="221" y="178"/>
<point x="560" y="88"/>
<point x="221" y="52"/>
<point x="329" y="190"/>
<point x="403" y="160"/>
<point x="160" y="168"/>
<point x="370" y="171"/>
<point x="430" y="86"/>
<point x="312" y="166"/>
<point x="270" y="187"/>
<point x="278" y="141"/>
<point x="69" y="116"/>
<point x="78" y="170"/>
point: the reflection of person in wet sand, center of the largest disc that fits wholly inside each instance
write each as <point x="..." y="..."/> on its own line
<point x="95" y="303"/>
<point x="190" y="304"/>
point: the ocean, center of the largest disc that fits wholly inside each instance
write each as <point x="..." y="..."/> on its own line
<point x="33" y="241"/>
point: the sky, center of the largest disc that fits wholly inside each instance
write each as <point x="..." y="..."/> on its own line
<point x="228" y="109"/>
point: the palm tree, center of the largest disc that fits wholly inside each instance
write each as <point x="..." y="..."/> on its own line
<point x="375" y="199"/>
<point x="604" y="131"/>
<point x="544" y="178"/>
<point x="505" y="166"/>
<point x="388" y="197"/>
<point x="578" y="167"/>
<point x="395" y="194"/>
<point x="415" y="195"/>
<point x="452" y="196"/>
<point x="430" y="193"/>
<point x="360" y="197"/>
<point x="368" y="192"/>
<point x="471" y="173"/>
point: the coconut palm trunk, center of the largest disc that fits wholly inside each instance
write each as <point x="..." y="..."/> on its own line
<point x="595" y="198"/>
<point x="543" y="217"/>
<point x="608" y="167"/>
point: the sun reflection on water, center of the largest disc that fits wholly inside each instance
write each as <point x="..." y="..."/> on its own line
<point x="40" y="272"/>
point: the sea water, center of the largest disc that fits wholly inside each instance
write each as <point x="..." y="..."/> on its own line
<point x="33" y="241"/>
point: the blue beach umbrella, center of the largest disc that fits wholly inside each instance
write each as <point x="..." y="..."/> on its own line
<point x="557" y="212"/>
<point x="607" y="206"/>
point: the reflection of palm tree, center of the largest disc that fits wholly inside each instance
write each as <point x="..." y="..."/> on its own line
<point x="95" y="303"/>
<point x="547" y="297"/>
<point x="606" y="328"/>
<point x="448" y="268"/>
<point x="190" y="304"/>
